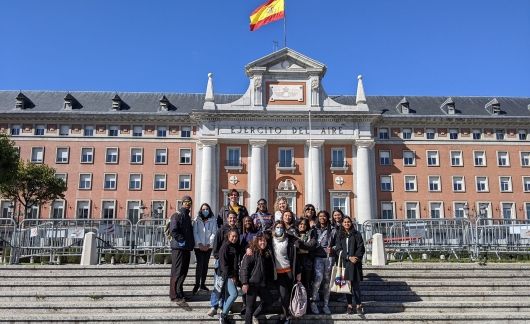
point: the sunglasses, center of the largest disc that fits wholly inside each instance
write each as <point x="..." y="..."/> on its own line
<point x="186" y="202"/>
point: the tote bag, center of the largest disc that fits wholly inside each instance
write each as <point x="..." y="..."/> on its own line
<point x="338" y="283"/>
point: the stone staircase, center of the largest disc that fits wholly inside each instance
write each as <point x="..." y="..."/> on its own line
<point x="399" y="293"/>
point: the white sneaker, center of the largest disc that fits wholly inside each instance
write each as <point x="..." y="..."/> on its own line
<point x="326" y="310"/>
<point x="255" y="320"/>
<point x="314" y="308"/>
<point x="212" y="312"/>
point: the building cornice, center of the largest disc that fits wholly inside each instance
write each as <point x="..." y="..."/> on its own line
<point x="281" y="116"/>
<point x="94" y="117"/>
<point x="452" y="121"/>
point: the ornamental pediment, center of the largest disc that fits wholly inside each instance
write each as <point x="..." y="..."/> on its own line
<point x="285" y="60"/>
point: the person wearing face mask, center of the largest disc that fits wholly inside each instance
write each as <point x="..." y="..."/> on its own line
<point x="204" y="228"/>
<point x="263" y="220"/>
<point x="284" y="252"/>
<point x="229" y="256"/>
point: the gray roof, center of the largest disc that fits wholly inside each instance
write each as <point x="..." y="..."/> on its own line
<point x="184" y="103"/>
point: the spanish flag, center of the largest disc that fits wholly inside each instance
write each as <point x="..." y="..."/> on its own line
<point x="266" y="13"/>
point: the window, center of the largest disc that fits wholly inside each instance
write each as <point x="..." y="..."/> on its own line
<point x="185" y="156"/>
<point x="161" y="131"/>
<point x="503" y="159"/>
<point x="57" y="209"/>
<point x="406" y="133"/>
<point x="477" y="134"/>
<point x="185" y="131"/>
<point x="409" y="158"/>
<point x="386" y="183"/>
<point x="40" y="130"/>
<point x="63" y="176"/>
<point x="110" y="181"/>
<point x="136" y="155"/>
<point x="412" y="210"/>
<point x="135" y="181"/>
<point x="137" y="131"/>
<point x="286" y="158"/>
<point x="499" y="134"/>
<point x="482" y="184"/>
<point x="34" y="212"/>
<point x="111" y="156"/>
<point x="527" y="210"/>
<point x="83" y="209"/>
<point x="480" y="158"/>
<point x="387" y="210"/>
<point x="410" y="183"/>
<point x="158" y="208"/>
<point x="432" y="158"/>
<point x="87" y="155"/>
<point x="384" y="157"/>
<point x="526" y="184"/>
<point x="460" y="209"/>
<point x="456" y="158"/>
<point x="522" y="135"/>
<point x="525" y="159"/>
<point x="436" y="210"/>
<point x="435" y="183"/>
<point x="114" y="130"/>
<point x="338" y="200"/>
<point x="453" y="134"/>
<point x="37" y="154"/>
<point x="64" y="130"/>
<point x="108" y="208"/>
<point x="161" y="156"/>
<point x="507" y="210"/>
<point x="15" y="130"/>
<point x="458" y="184"/>
<point x="505" y="184"/>
<point x="185" y="182"/>
<point x="383" y="133"/>
<point x="430" y="133"/>
<point x="85" y="181"/>
<point x="160" y="182"/>
<point x="234" y="156"/>
<point x="133" y="211"/>
<point x="61" y="155"/>
<point x="88" y="131"/>
<point x="337" y="158"/>
<point x="7" y="209"/>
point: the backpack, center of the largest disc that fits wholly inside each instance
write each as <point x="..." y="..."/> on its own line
<point x="298" y="305"/>
<point x="167" y="229"/>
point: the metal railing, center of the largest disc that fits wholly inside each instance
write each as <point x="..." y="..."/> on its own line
<point x="7" y="239"/>
<point x="150" y="239"/>
<point x="501" y="236"/>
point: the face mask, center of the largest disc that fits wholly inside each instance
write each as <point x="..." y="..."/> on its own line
<point x="278" y="231"/>
<point x="205" y="213"/>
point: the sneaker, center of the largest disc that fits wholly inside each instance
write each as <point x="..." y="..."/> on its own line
<point x="360" y="310"/>
<point x="326" y="310"/>
<point x="255" y="320"/>
<point x="243" y="311"/>
<point x="350" y="311"/>
<point x="205" y="289"/>
<point x="195" y="290"/>
<point x="314" y="308"/>
<point x="212" y="312"/>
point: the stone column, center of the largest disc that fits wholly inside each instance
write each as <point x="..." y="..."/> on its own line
<point x="363" y="181"/>
<point x="315" y="184"/>
<point x="207" y="174"/>
<point x="256" y="187"/>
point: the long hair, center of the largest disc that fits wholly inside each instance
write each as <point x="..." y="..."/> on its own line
<point x="210" y="214"/>
<point x="352" y="228"/>
<point x="326" y="213"/>
<point x="266" y="208"/>
<point x="276" y="208"/>
<point x="337" y="210"/>
<point x="306" y="222"/>
<point x="228" y="234"/>
<point x="292" y="218"/>
<point x="254" y="247"/>
<point x="252" y="228"/>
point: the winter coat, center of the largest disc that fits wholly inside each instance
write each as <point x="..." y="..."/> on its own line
<point x="204" y="230"/>
<point x="304" y="253"/>
<point x="326" y="237"/>
<point x="291" y="254"/>
<point x="229" y="255"/>
<point x="256" y="269"/>
<point x="181" y="230"/>
<point x="351" y="244"/>
<point x="220" y="236"/>
<point x="240" y="215"/>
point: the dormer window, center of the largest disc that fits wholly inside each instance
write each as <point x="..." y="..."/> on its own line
<point x="448" y="106"/>
<point x="116" y="102"/>
<point x="22" y="102"/>
<point x="164" y="104"/>
<point x="493" y="107"/>
<point x="403" y="106"/>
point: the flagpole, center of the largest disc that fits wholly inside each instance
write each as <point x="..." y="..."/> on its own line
<point x="284" y="24"/>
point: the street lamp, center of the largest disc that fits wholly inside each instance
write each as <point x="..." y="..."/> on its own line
<point x="157" y="213"/>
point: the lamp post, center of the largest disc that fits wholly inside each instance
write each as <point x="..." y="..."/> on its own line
<point x="157" y="213"/>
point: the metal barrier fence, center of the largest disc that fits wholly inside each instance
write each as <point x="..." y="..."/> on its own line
<point x="150" y="239"/>
<point x="502" y="236"/>
<point x="7" y="239"/>
<point x="64" y="237"/>
<point x="403" y="237"/>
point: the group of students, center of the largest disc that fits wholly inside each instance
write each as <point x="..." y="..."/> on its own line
<point x="264" y="250"/>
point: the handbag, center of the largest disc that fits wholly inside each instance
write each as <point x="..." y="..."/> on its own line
<point x="338" y="283"/>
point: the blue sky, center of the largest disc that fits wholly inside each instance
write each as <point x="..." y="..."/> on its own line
<point x="402" y="47"/>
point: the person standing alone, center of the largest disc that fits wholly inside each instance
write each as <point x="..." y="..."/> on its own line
<point x="182" y="243"/>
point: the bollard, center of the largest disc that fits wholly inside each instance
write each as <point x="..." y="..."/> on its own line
<point x="112" y="261"/>
<point x="31" y="260"/>
<point x="442" y="256"/>
<point x="378" y="250"/>
<point x="89" y="255"/>
<point x="424" y="256"/>
<point x="58" y="260"/>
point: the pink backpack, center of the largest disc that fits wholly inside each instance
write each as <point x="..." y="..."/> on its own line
<point x="298" y="305"/>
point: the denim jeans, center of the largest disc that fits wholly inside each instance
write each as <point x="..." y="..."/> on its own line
<point x="322" y="276"/>
<point x="230" y="295"/>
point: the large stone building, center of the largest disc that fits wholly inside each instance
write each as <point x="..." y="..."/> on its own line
<point x="131" y="155"/>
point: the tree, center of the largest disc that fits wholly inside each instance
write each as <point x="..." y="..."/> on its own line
<point x="33" y="185"/>
<point x="8" y="159"/>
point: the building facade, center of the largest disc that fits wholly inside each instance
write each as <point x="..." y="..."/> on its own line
<point x="133" y="155"/>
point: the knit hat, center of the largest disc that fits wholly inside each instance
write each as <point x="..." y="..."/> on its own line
<point x="185" y="198"/>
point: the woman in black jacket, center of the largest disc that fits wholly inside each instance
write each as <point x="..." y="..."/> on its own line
<point x="307" y="241"/>
<point x="256" y="274"/>
<point x="229" y="256"/>
<point x="351" y="245"/>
